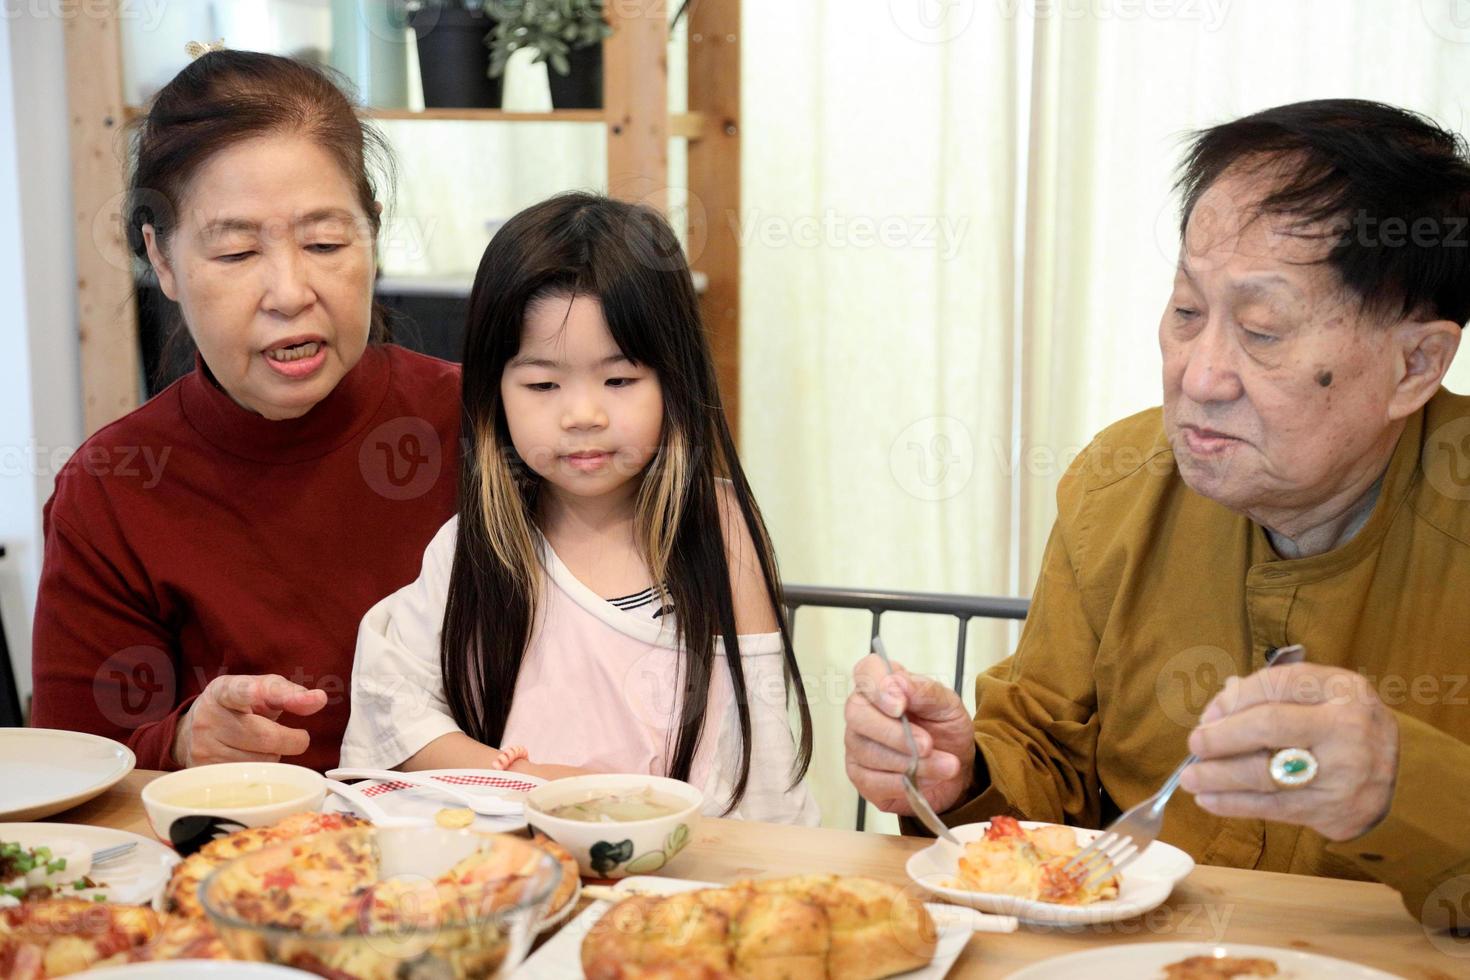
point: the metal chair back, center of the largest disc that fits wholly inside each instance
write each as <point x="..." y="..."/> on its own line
<point x="876" y="602"/>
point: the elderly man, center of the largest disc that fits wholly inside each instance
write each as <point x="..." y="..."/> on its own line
<point x="1306" y="481"/>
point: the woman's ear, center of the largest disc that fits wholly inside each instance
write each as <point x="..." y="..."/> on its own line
<point x="160" y="263"/>
<point x="1426" y="348"/>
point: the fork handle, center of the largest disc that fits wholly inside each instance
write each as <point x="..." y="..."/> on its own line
<point x="1172" y="783"/>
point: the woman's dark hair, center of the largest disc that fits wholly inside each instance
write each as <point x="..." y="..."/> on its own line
<point x="1393" y="187"/>
<point x="627" y="257"/>
<point x="227" y="97"/>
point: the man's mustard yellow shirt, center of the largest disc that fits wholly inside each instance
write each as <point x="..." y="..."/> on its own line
<point x="1151" y="595"/>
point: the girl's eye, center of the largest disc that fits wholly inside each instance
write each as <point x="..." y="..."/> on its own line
<point x="620" y="382"/>
<point x="541" y="386"/>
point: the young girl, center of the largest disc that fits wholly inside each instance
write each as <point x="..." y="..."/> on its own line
<point x="607" y="598"/>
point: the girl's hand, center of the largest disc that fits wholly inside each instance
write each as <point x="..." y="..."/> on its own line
<point x="234" y="720"/>
<point x="508" y="756"/>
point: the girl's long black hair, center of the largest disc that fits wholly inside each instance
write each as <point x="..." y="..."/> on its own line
<point x="627" y="257"/>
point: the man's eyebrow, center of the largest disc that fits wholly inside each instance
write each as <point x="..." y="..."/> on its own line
<point x="1261" y="285"/>
<point x="1264" y="286"/>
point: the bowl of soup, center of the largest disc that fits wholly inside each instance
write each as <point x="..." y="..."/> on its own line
<point x="190" y="807"/>
<point x="616" y="825"/>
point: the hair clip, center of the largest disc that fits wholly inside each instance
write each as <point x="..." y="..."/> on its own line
<point x="196" y="50"/>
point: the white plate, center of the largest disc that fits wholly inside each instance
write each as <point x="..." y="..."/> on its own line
<point x="560" y="915"/>
<point x="403" y="800"/>
<point x="188" y="969"/>
<point x="1147" y="882"/>
<point x="45" y="770"/>
<point x="1146" y="961"/>
<point x="135" y="879"/>
<point x="561" y="957"/>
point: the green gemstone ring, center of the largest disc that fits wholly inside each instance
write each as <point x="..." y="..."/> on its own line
<point x="1293" y="768"/>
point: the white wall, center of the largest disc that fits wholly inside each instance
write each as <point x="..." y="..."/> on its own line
<point x="40" y="391"/>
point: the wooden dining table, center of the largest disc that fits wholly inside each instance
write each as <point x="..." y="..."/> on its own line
<point x="1351" y="920"/>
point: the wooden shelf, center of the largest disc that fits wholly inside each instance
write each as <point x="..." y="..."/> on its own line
<point x="682" y="125"/>
<point x="635" y="119"/>
<point x="493" y="115"/>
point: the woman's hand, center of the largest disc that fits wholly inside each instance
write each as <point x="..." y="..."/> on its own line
<point x="878" y="754"/>
<point x="234" y="720"/>
<point x="1333" y="713"/>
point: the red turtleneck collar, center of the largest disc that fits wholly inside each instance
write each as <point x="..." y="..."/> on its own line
<point x="331" y="423"/>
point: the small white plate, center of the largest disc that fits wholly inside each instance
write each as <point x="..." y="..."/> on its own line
<point x="46" y="770"/>
<point x="135" y="879"/>
<point x="1147" y="882"/>
<point x="1147" y="961"/>
<point x="403" y="800"/>
<point x="551" y="921"/>
<point x="189" y="969"/>
<point x="561" y="957"/>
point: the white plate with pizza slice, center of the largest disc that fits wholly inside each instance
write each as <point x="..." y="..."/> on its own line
<point x="1146" y="883"/>
<point x="1151" y="961"/>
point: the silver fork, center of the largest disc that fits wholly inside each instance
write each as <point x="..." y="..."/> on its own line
<point x="921" y="806"/>
<point x="112" y="853"/>
<point x="1132" y="833"/>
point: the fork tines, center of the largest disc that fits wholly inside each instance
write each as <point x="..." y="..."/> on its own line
<point x="1102" y="859"/>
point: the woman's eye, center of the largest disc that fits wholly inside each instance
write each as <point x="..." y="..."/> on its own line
<point x="620" y="382"/>
<point x="541" y="385"/>
<point x="326" y="248"/>
<point x="235" y="257"/>
<point x="1256" y="337"/>
<point x="1185" y="312"/>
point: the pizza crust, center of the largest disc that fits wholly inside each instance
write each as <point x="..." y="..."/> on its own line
<point x="813" y="927"/>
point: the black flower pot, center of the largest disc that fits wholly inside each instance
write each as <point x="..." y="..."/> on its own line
<point x="582" y="88"/>
<point x="453" y="58"/>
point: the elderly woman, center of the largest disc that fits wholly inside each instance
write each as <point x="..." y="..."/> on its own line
<point x="204" y="608"/>
<point x="1301" y="484"/>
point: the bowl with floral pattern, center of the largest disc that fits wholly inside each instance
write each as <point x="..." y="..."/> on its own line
<point x="616" y="825"/>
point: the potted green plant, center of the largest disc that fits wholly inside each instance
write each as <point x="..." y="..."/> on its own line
<point x="452" y="35"/>
<point x="566" y="35"/>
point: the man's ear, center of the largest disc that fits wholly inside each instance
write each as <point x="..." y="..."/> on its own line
<point x="1425" y="349"/>
<point x="160" y="263"/>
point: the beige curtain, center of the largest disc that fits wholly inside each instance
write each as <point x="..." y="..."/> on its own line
<point x="881" y="164"/>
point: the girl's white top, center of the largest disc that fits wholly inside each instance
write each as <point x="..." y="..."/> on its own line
<point x="598" y="688"/>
